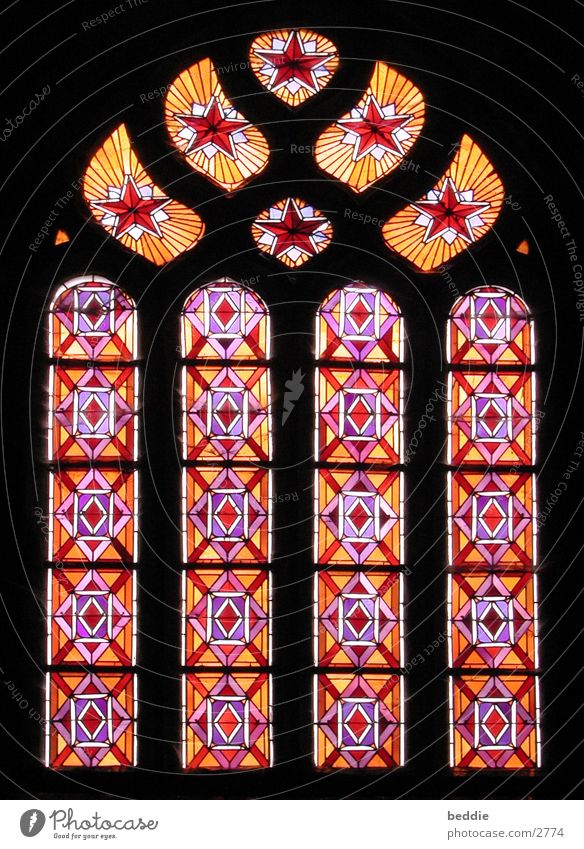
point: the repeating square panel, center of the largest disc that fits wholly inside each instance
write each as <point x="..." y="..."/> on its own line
<point x="358" y="620"/>
<point x="491" y="418"/>
<point x="92" y="515"/>
<point x="227" y="617"/>
<point x="226" y="515"/>
<point x="494" y="722"/>
<point x="91" y="617"/>
<point x="227" y="721"/>
<point x="358" y="517"/>
<point x="491" y="521"/>
<point x="226" y="413"/>
<point x="492" y="621"/>
<point x="358" y="419"/>
<point x="358" y="721"/>
<point x="90" y="719"/>
<point x="93" y="414"/>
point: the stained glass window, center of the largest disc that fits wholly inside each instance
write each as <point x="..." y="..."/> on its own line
<point x="358" y="534"/>
<point x="293" y="64"/>
<point x="215" y="138"/>
<point x="492" y="585"/>
<point x="456" y="213"/>
<point x="371" y="140"/>
<point x="93" y="492"/>
<point x="132" y="208"/>
<point x="293" y="231"/>
<point x="226" y="498"/>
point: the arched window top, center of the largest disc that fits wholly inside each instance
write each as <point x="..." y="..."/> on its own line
<point x="490" y="325"/>
<point x="92" y="318"/>
<point x="359" y="322"/>
<point x="224" y="320"/>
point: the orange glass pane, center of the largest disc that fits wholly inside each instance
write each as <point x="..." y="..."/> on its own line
<point x="292" y="230"/>
<point x="358" y="721"/>
<point x="216" y="139"/>
<point x="293" y="64"/>
<point x="91" y="617"/>
<point x="227" y="617"/>
<point x="491" y="519"/>
<point x="492" y="621"/>
<point x="92" y="515"/>
<point x="358" y="518"/>
<point x="491" y="418"/>
<point x="226" y="413"/>
<point x="91" y="720"/>
<point x="489" y="326"/>
<point x="132" y="208"/>
<point x="359" y="323"/>
<point x="359" y="619"/>
<point x="225" y="321"/>
<point x="92" y="414"/>
<point x="226" y="515"/>
<point x="455" y="214"/>
<point x="494" y="722"/>
<point x="92" y="319"/>
<point x="227" y="721"/>
<point x="370" y="141"/>
<point x="358" y="415"/>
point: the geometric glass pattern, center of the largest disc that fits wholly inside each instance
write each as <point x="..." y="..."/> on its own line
<point x="359" y="618"/>
<point x="225" y="513"/>
<point x="455" y="214"/>
<point x="492" y="621"/>
<point x="494" y="722"/>
<point x="492" y="585"/>
<point x="226" y="413"/>
<point x="215" y="138"/>
<point x="492" y="519"/>
<point x="91" y="617"/>
<point x="358" y="525"/>
<point x="358" y="518"/>
<point x="227" y="722"/>
<point x="292" y="230"/>
<point x="371" y="140"/>
<point x="359" y="721"/>
<point x="94" y="412"/>
<point x="125" y="201"/>
<point x="92" y="719"/>
<point x="93" y="509"/>
<point x="92" y="515"/>
<point x="490" y="326"/>
<point x="491" y="418"/>
<point x="359" y="323"/>
<point x="227" y="617"/>
<point x="225" y="321"/>
<point x="226" y="528"/>
<point x="359" y="415"/>
<point x="293" y="64"/>
<point x="91" y="319"/>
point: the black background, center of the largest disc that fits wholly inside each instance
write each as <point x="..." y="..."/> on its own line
<point x="497" y="70"/>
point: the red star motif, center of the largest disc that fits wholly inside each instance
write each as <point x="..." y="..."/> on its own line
<point x="212" y="127"/>
<point x="292" y="230"/>
<point x="133" y="210"/>
<point x="447" y="212"/>
<point x="292" y="64"/>
<point x="373" y="129"/>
